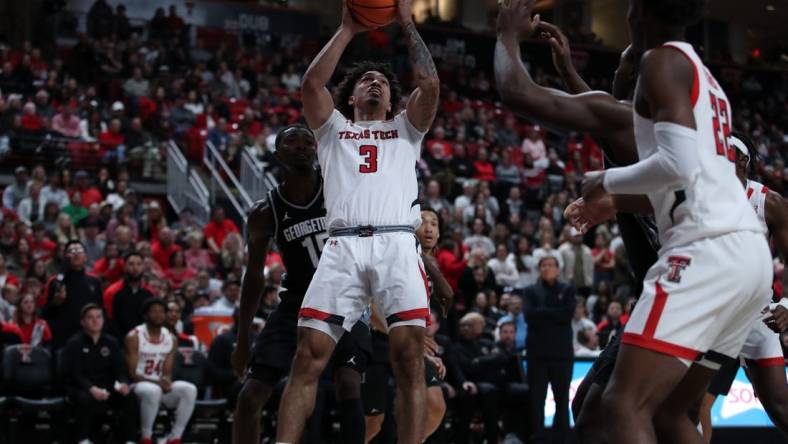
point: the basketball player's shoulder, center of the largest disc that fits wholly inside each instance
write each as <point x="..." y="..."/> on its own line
<point x="407" y="130"/>
<point x="335" y="122"/>
<point x="261" y="215"/>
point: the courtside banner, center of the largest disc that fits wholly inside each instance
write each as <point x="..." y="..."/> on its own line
<point x="741" y="408"/>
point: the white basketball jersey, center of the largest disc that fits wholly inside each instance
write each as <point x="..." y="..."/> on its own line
<point x="152" y="354"/>
<point x="756" y="194"/>
<point x="712" y="204"/>
<point x="369" y="171"/>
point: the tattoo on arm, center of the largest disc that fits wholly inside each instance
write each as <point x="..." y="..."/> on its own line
<point x="420" y="57"/>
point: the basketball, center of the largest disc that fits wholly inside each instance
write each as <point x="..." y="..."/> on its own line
<point x="373" y="13"/>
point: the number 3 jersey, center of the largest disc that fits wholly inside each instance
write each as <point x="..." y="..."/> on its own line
<point x="369" y="171"/>
<point x="300" y="235"/>
<point x="712" y="204"/>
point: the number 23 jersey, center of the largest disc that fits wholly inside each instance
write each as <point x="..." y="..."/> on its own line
<point x="369" y="171"/>
<point x="713" y="203"/>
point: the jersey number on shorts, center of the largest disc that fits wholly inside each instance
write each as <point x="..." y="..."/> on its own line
<point x="370" y="154"/>
<point x="722" y="127"/>
<point x="314" y="245"/>
<point x="153" y="367"/>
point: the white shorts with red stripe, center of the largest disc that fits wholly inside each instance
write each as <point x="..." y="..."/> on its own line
<point x="762" y="347"/>
<point x="703" y="296"/>
<point x="353" y="271"/>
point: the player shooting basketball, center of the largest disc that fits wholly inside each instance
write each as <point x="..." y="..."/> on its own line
<point x="372" y="210"/>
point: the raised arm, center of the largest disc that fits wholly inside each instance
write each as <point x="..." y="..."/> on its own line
<point x="317" y="100"/>
<point x="594" y="112"/>
<point x="562" y="58"/>
<point x="423" y="102"/>
<point x="260" y="228"/>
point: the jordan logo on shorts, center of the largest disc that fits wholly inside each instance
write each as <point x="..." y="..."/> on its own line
<point x="676" y="265"/>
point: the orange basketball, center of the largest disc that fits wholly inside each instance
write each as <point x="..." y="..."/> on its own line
<point x="373" y="13"/>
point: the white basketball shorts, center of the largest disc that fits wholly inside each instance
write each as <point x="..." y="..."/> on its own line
<point x="703" y="296"/>
<point x="353" y="271"/>
<point x="762" y="347"/>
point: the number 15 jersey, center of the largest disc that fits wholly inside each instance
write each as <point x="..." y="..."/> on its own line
<point x="300" y="235"/>
<point x="369" y="171"/>
<point x="712" y="204"/>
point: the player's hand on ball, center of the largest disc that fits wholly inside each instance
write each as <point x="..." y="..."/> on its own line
<point x="593" y="186"/>
<point x="240" y="359"/>
<point x="349" y="23"/>
<point x="514" y="18"/>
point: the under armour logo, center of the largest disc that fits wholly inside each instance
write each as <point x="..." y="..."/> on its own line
<point x="352" y="360"/>
<point x="287" y="217"/>
<point x="676" y="265"/>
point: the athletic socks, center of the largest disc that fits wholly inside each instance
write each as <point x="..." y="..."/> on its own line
<point x="351" y="420"/>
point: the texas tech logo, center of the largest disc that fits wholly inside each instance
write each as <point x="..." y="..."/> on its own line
<point x="676" y="265"/>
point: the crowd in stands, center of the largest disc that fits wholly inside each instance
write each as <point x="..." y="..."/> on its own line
<point x="108" y="103"/>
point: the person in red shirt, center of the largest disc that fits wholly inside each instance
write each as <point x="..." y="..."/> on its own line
<point x="484" y="169"/>
<point x="40" y="245"/>
<point x="90" y="194"/>
<point x="452" y="260"/>
<point x="604" y="259"/>
<point x="6" y="278"/>
<point x="30" y="120"/>
<point x="439" y="146"/>
<point x="217" y="229"/>
<point x="178" y="270"/>
<point x="110" y="267"/>
<point x="111" y="142"/>
<point x="162" y="249"/>
<point x="34" y="330"/>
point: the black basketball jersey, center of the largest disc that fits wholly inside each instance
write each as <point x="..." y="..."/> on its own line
<point x="301" y="233"/>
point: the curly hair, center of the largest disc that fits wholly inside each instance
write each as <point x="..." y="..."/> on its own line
<point x="352" y="77"/>
<point x="678" y="12"/>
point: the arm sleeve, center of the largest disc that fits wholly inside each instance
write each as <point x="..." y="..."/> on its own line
<point x="326" y="130"/>
<point x="675" y="164"/>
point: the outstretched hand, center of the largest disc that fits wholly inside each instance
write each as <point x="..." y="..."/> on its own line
<point x="349" y="23"/>
<point x="514" y="19"/>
